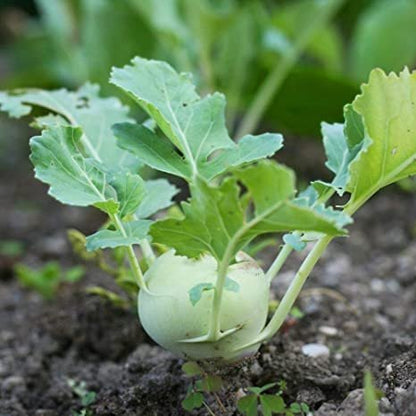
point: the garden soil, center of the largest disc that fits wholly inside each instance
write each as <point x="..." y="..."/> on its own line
<point x="359" y="303"/>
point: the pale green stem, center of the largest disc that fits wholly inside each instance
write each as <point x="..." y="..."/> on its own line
<point x="134" y="263"/>
<point x="147" y="250"/>
<point x="278" y="262"/>
<point x="299" y="280"/>
<point x="275" y="79"/>
<point x="293" y="291"/>
<point x="214" y="331"/>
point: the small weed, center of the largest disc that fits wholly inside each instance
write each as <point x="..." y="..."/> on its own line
<point x="86" y="397"/>
<point x="47" y="280"/>
<point x="269" y="403"/>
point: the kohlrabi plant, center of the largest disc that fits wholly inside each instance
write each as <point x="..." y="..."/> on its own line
<point x="204" y="297"/>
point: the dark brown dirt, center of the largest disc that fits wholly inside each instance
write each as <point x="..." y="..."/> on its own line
<point x="360" y="302"/>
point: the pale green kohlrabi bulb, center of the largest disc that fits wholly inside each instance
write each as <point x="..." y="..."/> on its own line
<point x="168" y="315"/>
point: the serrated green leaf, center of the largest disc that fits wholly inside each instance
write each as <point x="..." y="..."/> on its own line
<point x="131" y="191"/>
<point x="275" y="208"/>
<point x="159" y="194"/>
<point x="271" y="403"/>
<point x="151" y="149"/>
<point x="342" y="144"/>
<point x="387" y="107"/>
<point x="214" y="218"/>
<point x="188" y="236"/>
<point x="134" y="233"/>
<point x="213" y="215"/>
<point x="194" y="125"/>
<point x="248" y="405"/>
<point x="83" y="108"/>
<point x="195" y="293"/>
<point x="74" y="179"/>
<point x="249" y="149"/>
<point x="13" y="105"/>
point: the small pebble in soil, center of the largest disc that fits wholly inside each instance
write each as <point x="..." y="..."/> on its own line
<point x="329" y="331"/>
<point x="315" y="350"/>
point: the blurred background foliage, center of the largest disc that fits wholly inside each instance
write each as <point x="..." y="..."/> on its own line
<point x="285" y="64"/>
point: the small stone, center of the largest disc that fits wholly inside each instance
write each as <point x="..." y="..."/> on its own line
<point x="267" y="358"/>
<point x="389" y="369"/>
<point x="11" y="382"/>
<point x="315" y="350"/>
<point x="256" y="369"/>
<point x="330" y="331"/>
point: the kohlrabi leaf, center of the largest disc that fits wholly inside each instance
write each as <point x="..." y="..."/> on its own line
<point x="73" y="178"/>
<point x="387" y="107"/>
<point x="149" y="148"/>
<point x="131" y="190"/>
<point x="134" y="233"/>
<point x="214" y="220"/>
<point x="338" y="156"/>
<point x="272" y="188"/>
<point x="212" y="217"/>
<point x="82" y="108"/>
<point x="159" y="194"/>
<point x="249" y="149"/>
<point x="194" y="125"/>
<point x="342" y="144"/>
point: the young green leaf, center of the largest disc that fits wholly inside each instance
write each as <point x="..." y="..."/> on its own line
<point x="249" y="149"/>
<point x="387" y="107"/>
<point x="194" y="125"/>
<point x="339" y="153"/>
<point x="159" y="194"/>
<point x="211" y="218"/>
<point x="83" y="108"/>
<point x="131" y="191"/>
<point x="73" y="178"/>
<point x="220" y="207"/>
<point x="276" y="210"/>
<point x="149" y="148"/>
<point x="134" y="232"/>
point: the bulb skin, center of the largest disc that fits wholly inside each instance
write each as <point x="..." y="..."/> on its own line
<point x="168" y="316"/>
